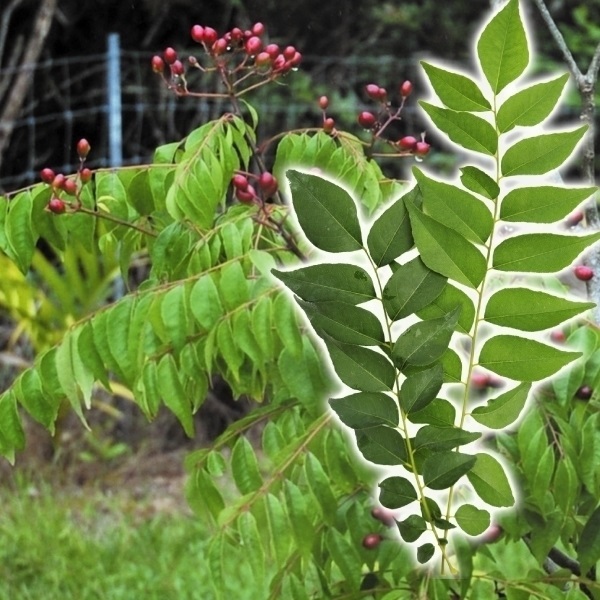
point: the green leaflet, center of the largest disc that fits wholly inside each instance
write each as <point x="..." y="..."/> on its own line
<point x="443" y="469"/>
<point x="489" y="481"/>
<point x="502" y="47"/>
<point x="455" y="208"/>
<point x="479" y="182"/>
<point x="464" y="129"/>
<point x="540" y="154"/>
<point x="530" y="310"/>
<point x="523" y="359"/>
<point x="472" y="520"/>
<point x="501" y="411"/>
<point x="420" y="389"/>
<point x="445" y="251"/>
<point x="390" y="235"/>
<point x="396" y="492"/>
<point x="450" y="298"/>
<point x="366" y="409"/>
<point x="381" y="445"/>
<point x="326" y="213"/>
<point x="543" y="204"/>
<point x="411" y="288"/>
<point x="532" y="105"/>
<point x="337" y="282"/>
<point x="540" y="252"/>
<point x="456" y="91"/>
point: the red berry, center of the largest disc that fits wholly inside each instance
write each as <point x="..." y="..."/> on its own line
<point x="491" y="534"/>
<point x="372" y="91"/>
<point x="408" y="142"/>
<point x="406" y="88"/>
<point x="56" y="205"/>
<point x="170" y="55"/>
<point x="70" y="187"/>
<point x="47" y="175"/>
<point x="383" y="515"/>
<point x="177" y="68"/>
<point x="236" y="34"/>
<point x="328" y="125"/>
<point x="583" y="273"/>
<point x="371" y="541"/>
<point x="558" y="336"/>
<point x="367" y="119"/>
<point x="279" y="62"/>
<point x="85" y="175"/>
<point x="323" y="102"/>
<point x="584" y="392"/>
<point x="272" y="50"/>
<point x="289" y="52"/>
<point x="574" y="218"/>
<point x="58" y="181"/>
<point x="422" y="148"/>
<point x="268" y="184"/>
<point x="480" y="381"/>
<point x="220" y="46"/>
<point x="253" y="45"/>
<point x="240" y="182"/>
<point x="158" y="64"/>
<point x="381" y="94"/>
<point x="83" y="148"/>
<point x="247" y="195"/>
<point x="295" y="60"/>
<point x="258" y="29"/>
<point x="210" y="36"/>
<point x="197" y="33"/>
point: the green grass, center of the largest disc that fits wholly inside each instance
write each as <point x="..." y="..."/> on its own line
<point x="58" y="545"/>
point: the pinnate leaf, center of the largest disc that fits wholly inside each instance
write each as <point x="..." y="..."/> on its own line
<point x="326" y="213"/>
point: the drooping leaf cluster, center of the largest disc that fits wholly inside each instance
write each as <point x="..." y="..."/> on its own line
<point x="437" y="253"/>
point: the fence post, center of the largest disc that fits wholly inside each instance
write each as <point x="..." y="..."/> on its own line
<point x="113" y="85"/>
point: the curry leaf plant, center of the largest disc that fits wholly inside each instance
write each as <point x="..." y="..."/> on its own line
<point x="415" y="303"/>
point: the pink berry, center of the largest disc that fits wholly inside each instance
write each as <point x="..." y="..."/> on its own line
<point x="491" y="534"/>
<point x="289" y="52"/>
<point x="585" y="392"/>
<point x="197" y="33"/>
<point x="56" y="205"/>
<point x="480" y="381"/>
<point x="422" y="148"/>
<point x="47" y="175"/>
<point x="371" y="541"/>
<point x="372" y="91"/>
<point x="328" y="125"/>
<point x="381" y="94"/>
<point x="268" y="184"/>
<point x="177" y="68"/>
<point x="158" y="64"/>
<point x="85" y="175"/>
<point x="574" y="218"/>
<point x="58" y="181"/>
<point x="408" y="142"/>
<point x="240" y="182"/>
<point x="323" y="102"/>
<point x="258" y="29"/>
<point x="367" y="119"/>
<point x="253" y="45"/>
<point x="236" y="34"/>
<point x="558" y="336"/>
<point x="262" y="59"/>
<point x="70" y="187"/>
<point x="248" y="195"/>
<point x="219" y="47"/>
<point x="83" y="148"/>
<point x="295" y="60"/>
<point x="406" y="88"/>
<point x="279" y="62"/>
<point x="384" y="515"/>
<point x="210" y="36"/>
<point x="583" y="273"/>
<point x="272" y="50"/>
<point x="170" y="55"/>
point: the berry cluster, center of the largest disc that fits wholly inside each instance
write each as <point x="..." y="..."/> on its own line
<point x="377" y="121"/>
<point x="67" y="186"/>
<point x="236" y="56"/>
<point x="266" y="187"/>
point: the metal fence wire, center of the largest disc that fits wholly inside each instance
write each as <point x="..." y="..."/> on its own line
<point x="125" y="111"/>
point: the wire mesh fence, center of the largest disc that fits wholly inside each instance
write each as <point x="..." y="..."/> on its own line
<point x="70" y="98"/>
